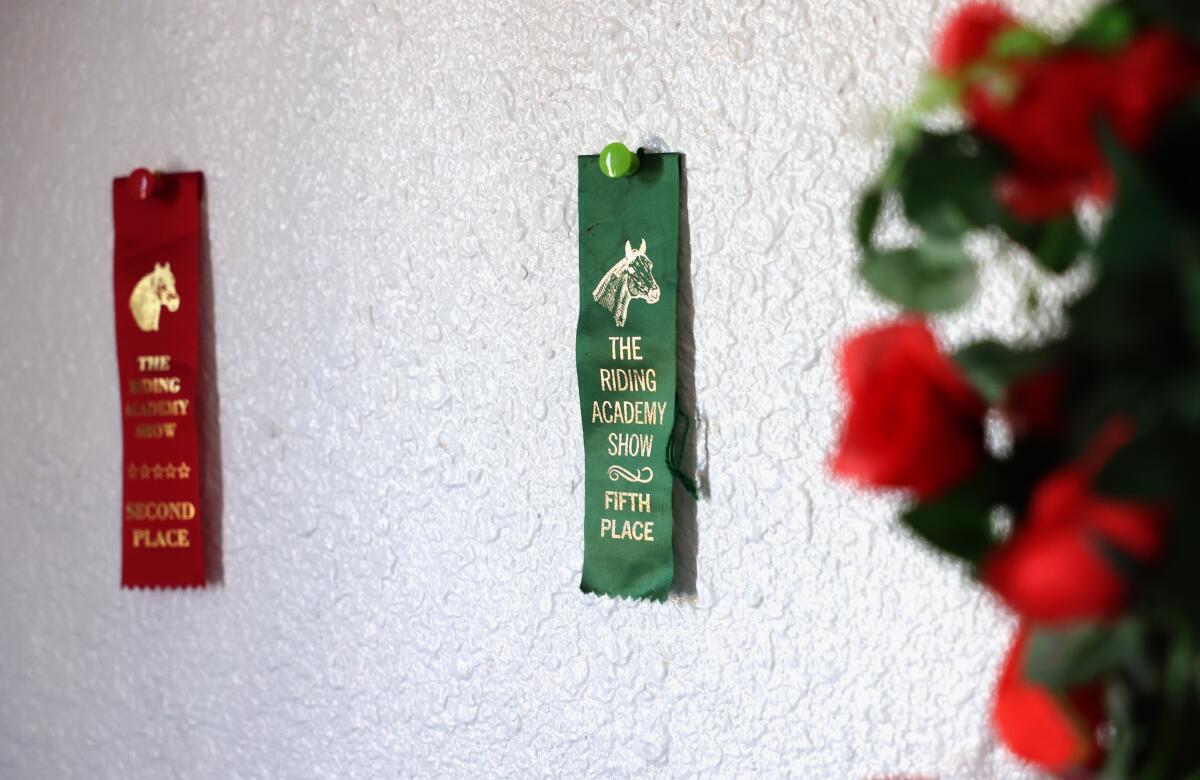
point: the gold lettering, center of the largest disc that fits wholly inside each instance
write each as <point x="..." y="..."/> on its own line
<point x="628" y="380"/>
<point x="155" y="430"/>
<point x="154" y="362"/>
<point x="636" y="445"/>
<point x="161" y="537"/>
<point x="154" y="384"/>
<point x="637" y="530"/>
<point x="625" y="347"/>
<point x="624" y="501"/>
<point x="629" y="412"/>
<point x="174" y="408"/>
<point x="160" y="510"/>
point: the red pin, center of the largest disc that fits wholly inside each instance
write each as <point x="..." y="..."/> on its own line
<point x="144" y="183"/>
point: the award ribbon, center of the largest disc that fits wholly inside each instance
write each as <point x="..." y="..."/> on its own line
<point x="625" y="355"/>
<point x="156" y="287"/>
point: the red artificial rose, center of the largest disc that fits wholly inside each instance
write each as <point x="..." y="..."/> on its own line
<point x="968" y="34"/>
<point x="1054" y="569"/>
<point x="1054" y="732"/>
<point x="1032" y="404"/>
<point x="1152" y="74"/>
<point x="913" y="422"/>
<point x="1049" y="122"/>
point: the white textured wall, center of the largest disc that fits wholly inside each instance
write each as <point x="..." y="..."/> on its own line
<point x="392" y="222"/>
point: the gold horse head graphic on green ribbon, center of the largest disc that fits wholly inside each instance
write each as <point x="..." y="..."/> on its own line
<point x="632" y="277"/>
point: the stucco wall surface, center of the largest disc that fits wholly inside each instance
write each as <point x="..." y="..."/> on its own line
<point x="392" y="219"/>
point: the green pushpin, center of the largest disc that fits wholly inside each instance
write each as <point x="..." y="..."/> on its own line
<point x="616" y="160"/>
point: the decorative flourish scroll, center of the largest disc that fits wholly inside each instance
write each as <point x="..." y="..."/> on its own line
<point x="644" y="474"/>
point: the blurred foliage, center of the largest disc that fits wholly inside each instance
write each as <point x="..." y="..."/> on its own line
<point x="1131" y="347"/>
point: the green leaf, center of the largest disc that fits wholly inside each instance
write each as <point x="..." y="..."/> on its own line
<point x="991" y="367"/>
<point x="936" y="92"/>
<point x="947" y="183"/>
<point x="1156" y="465"/>
<point x="1172" y="157"/>
<point x="1183" y="16"/>
<point x="1123" y="750"/>
<point x="1189" y="287"/>
<point x="1060" y="243"/>
<point x="1173" y="581"/>
<point x="1054" y="245"/>
<point x="1108" y="28"/>
<point x="1064" y="658"/>
<point x="958" y="522"/>
<point x="1020" y="42"/>
<point x="934" y="276"/>
<point x="1177" y="679"/>
<point x="867" y="215"/>
<point x="1171" y="584"/>
<point x="894" y="169"/>
<point x="1027" y="234"/>
<point x="1129" y="321"/>
<point x="1143" y="226"/>
<point x="1181" y="398"/>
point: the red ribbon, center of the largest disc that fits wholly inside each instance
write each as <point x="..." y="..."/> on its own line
<point x="156" y="283"/>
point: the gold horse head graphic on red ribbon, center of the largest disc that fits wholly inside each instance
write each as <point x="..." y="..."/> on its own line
<point x="154" y="291"/>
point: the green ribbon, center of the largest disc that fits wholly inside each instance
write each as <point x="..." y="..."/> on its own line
<point x="625" y="354"/>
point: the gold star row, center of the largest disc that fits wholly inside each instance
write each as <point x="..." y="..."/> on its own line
<point x="159" y="471"/>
